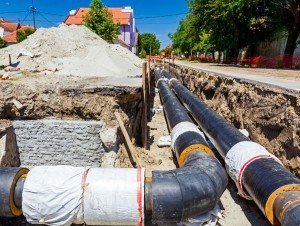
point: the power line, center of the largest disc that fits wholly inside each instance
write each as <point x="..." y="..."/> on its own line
<point x="13" y="12"/>
<point x="25" y="17"/>
<point x="161" y="16"/>
<point x="47" y="19"/>
<point x="161" y="23"/>
<point x="52" y="14"/>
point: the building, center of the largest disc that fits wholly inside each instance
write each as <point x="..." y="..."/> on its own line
<point x="9" y="29"/>
<point x="128" y="35"/>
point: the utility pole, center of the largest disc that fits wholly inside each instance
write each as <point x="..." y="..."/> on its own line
<point x="33" y="14"/>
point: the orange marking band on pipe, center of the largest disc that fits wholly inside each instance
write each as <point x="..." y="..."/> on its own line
<point x="195" y="147"/>
<point x="148" y="179"/>
<point x="13" y="208"/>
<point x="269" y="207"/>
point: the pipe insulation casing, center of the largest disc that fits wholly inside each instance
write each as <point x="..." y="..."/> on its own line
<point x="239" y="157"/>
<point x="9" y="178"/>
<point x="114" y="197"/>
<point x="197" y="186"/>
<point x="249" y="164"/>
<point x="184" y="133"/>
<point x="265" y="179"/>
<point x="52" y="195"/>
<point x="189" y="191"/>
<point x="62" y="195"/>
<point x="210" y="122"/>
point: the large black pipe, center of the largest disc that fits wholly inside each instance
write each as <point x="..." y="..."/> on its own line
<point x="11" y="180"/>
<point x="197" y="186"/>
<point x="263" y="178"/>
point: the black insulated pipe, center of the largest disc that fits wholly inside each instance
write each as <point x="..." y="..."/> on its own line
<point x="197" y="186"/>
<point x="11" y="190"/>
<point x="263" y="177"/>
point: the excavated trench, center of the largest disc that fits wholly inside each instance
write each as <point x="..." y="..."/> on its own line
<point x="270" y="114"/>
<point x="41" y="124"/>
<point x="75" y="122"/>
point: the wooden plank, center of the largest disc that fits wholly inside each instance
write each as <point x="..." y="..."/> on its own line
<point x="131" y="148"/>
<point x="145" y="106"/>
<point x="125" y="153"/>
<point x="149" y="88"/>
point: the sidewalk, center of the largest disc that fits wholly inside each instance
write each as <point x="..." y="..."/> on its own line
<point x="287" y="79"/>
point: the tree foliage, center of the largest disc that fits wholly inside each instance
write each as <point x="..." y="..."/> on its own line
<point x="3" y="43"/>
<point x="100" y="21"/>
<point x="285" y="15"/>
<point x="23" y="34"/>
<point x="148" y="42"/>
<point x="219" y="25"/>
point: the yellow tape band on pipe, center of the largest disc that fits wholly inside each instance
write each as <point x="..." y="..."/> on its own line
<point x="13" y="208"/>
<point x="191" y="148"/>
<point x="269" y="207"/>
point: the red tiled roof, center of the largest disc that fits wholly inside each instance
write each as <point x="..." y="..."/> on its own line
<point x="9" y="26"/>
<point x="118" y="16"/>
<point x="12" y="37"/>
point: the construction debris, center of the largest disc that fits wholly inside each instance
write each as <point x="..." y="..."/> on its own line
<point x="71" y="50"/>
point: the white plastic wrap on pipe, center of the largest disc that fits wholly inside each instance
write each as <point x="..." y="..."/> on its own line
<point x="182" y="128"/>
<point x="52" y="195"/>
<point x="114" y="197"/>
<point x="239" y="157"/>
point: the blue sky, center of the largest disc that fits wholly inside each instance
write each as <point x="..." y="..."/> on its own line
<point x="142" y="8"/>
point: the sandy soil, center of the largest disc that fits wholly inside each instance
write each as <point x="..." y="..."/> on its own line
<point x="71" y="50"/>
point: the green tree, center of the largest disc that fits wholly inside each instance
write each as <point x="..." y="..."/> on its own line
<point x="2" y="43"/>
<point x="285" y="15"/>
<point x="218" y="25"/>
<point x="100" y="21"/>
<point x="233" y="24"/>
<point x="183" y="39"/>
<point x="23" y="34"/>
<point x="143" y="54"/>
<point x="148" y="42"/>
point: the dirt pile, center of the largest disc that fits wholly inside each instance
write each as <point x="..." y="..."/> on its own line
<point x="72" y="50"/>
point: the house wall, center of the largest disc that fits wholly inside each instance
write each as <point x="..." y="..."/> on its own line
<point x="125" y="33"/>
<point x="133" y="41"/>
<point x="6" y="33"/>
<point x="1" y="32"/>
<point x="275" y="46"/>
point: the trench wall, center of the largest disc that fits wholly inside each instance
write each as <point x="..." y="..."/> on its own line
<point x="73" y="125"/>
<point x="270" y="114"/>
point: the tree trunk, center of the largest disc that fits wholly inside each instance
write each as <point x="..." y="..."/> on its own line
<point x="219" y="56"/>
<point x="291" y="45"/>
<point x="213" y="56"/>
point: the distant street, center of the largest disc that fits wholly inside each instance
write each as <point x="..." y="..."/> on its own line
<point x="288" y="79"/>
